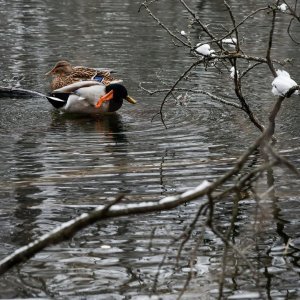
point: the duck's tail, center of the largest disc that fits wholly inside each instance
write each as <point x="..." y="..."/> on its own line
<point x="58" y="100"/>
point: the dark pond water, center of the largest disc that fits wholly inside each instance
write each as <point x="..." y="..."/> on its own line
<point x="53" y="167"/>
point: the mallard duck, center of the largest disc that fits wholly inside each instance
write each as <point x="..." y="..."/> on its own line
<point x="89" y="97"/>
<point x="64" y="74"/>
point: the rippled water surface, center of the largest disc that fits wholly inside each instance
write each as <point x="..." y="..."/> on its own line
<point x="55" y="167"/>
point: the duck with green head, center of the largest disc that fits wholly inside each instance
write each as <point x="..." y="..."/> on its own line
<point x="90" y="97"/>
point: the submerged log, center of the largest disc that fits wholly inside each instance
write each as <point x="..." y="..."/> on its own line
<point x="18" y="92"/>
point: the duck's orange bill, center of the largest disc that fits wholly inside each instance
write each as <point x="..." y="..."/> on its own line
<point x="106" y="97"/>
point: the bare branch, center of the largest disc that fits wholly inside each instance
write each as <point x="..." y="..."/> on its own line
<point x="194" y="91"/>
<point x="183" y="75"/>
<point x="237" y="46"/>
<point x="251" y="67"/>
<point x="289" y="31"/>
<point x="244" y="20"/>
<point x="146" y="6"/>
<point x="187" y="233"/>
<point x="204" y="28"/>
<point x="69" y="229"/>
<point x="269" y="61"/>
<point x="282" y="160"/>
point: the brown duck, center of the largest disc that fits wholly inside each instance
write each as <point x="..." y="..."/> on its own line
<point x="65" y="74"/>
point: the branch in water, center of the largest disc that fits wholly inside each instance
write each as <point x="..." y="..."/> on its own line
<point x="18" y="92"/>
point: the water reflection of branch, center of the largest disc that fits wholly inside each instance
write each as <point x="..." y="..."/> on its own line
<point x="161" y="175"/>
<point x="183" y="75"/>
<point x="207" y="207"/>
<point x="192" y="260"/>
<point x="112" y="210"/>
<point x="186" y="235"/>
<point x="227" y="237"/>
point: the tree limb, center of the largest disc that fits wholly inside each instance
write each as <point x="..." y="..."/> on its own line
<point x="69" y="229"/>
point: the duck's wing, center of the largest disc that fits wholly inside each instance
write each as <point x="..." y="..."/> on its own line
<point x="111" y="71"/>
<point x="59" y="97"/>
<point x="71" y="88"/>
<point x="83" y="72"/>
<point x="88" y="70"/>
<point x="103" y="75"/>
<point x="61" y="81"/>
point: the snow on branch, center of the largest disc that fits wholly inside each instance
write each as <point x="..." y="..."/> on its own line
<point x="112" y="210"/>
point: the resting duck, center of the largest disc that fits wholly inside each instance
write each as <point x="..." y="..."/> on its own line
<point x="89" y="97"/>
<point x="64" y="74"/>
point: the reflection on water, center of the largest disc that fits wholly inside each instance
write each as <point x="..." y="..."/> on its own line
<point x="55" y="166"/>
<point x="110" y="125"/>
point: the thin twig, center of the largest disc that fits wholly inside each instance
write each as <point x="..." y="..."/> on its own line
<point x="158" y="21"/>
<point x="184" y="74"/>
<point x="269" y="60"/>
<point x="187" y="233"/>
<point x="194" y="91"/>
<point x="237" y="45"/>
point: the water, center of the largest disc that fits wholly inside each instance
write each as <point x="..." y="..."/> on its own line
<point x="54" y="167"/>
